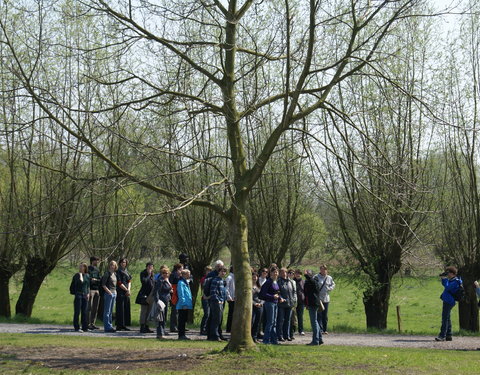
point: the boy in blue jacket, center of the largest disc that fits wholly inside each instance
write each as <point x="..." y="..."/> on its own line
<point x="451" y="283"/>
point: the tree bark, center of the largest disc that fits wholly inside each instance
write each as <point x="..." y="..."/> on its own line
<point x="376" y="305"/>
<point x="468" y="309"/>
<point x="5" y="309"/>
<point x="241" y="338"/>
<point x="36" y="270"/>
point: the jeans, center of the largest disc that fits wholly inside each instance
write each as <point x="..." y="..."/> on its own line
<point x="283" y="322"/>
<point x="323" y="317"/>
<point x="216" y="313"/>
<point x="270" y="310"/>
<point x="256" y="320"/>
<point x="446" y="329"/>
<point x="108" y="303"/>
<point x="316" y="332"/>
<point x="80" y="308"/>
<point x="206" y="314"/>
<point x="300" y="309"/>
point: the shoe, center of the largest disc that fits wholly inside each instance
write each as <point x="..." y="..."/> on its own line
<point x="223" y="338"/>
<point x="184" y="338"/>
<point x="113" y="330"/>
<point x="302" y="333"/>
<point x="439" y="338"/>
<point x="260" y="336"/>
<point x="289" y="338"/>
<point x="312" y="344"/>
<point x="325" y="333"/>
<point x="281" y="339"/>
<point x="119" y="329"/>
<point x="174" y="330"/>
<point x="448" y="338"/>
<point x="79" y="330"/>
<point x="166" y="334"/>
<point x="143" y="329"/>
<point x="186" y="330"/>
<point x="94" y="326"/>
<point x="320" y="343"/>
<point x="126" y="329"/>
<point x="203" y="333"/>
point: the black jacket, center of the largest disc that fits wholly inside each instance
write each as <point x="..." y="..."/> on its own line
<point x="312" y="291"/>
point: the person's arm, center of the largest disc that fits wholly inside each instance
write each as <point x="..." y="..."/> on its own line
<point x="331" y="284"/>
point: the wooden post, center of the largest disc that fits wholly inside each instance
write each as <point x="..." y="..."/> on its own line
<point x="399" y="320"/>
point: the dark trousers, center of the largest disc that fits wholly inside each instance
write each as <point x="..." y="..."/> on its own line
<point x="122" y="317"/>
<point x="283" y="322"/>
<point x="231" y="308"/>
<point x="446" y="329"/>
<point x="182" y="321"/>
<point x="323" y="318"/>
<point x="300" y="309"/>
<point x="173" y="318"/>
<point x="257" y="313"/>
<point x="216" y="314"/>
<point x="206" y="314"/>
<point x="80" y="309"/>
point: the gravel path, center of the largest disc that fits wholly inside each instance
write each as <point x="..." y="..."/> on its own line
<point x="371" y="340"/>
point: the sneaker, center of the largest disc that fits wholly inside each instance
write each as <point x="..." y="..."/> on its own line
<point x="79" y="330"/>
<point x="184" y="338"/>
<point x="439" y="338"/>
<point x="312" y="344"/>
<point x="113" y="330"/>
<point x="448" y="338"/>
<point x="325" y="333"/>
<point x="302" y="333"/>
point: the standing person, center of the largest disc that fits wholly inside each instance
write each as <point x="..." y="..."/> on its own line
<point x="205" y="304"/>
<point x="451" y="284"/>
<point x="270" y="293"/>
<point x="147" y="281"/>
<point x="217" y="296"/>
<point x="300" y="284"/>
<point x="109" y="286"/>
<point x="287" y="292"/>
<point x="312" y="302"/>
<point x="257" y="310"/>
<point x="123" y="296"/>
<point x="174" y="277"/>
<point x="94" y="298"/>
<point x="206" y="290"/>
<point x="327" y="286"/>
<point x="81" y="288"/>
<point x="163" y="291"/>
<point x="184" y="303"/>
<point x="230" y="284"/>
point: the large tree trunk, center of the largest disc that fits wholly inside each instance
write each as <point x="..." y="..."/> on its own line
<point x="376" y="302"/>
<point x="35" y="272"/>
<point x="241" y="338"/>
<point x="468" y="309"/>
<point x="5" y="309"/>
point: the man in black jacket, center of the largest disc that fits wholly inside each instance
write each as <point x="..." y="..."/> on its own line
<point x="94" y="297"/>
<point x="312" y="302"/>
<point x="147" y="281"/>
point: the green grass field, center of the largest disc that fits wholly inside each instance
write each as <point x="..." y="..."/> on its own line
<point x="418" y="299"/>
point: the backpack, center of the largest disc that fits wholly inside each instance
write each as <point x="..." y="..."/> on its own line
<point x="459" y="295"/>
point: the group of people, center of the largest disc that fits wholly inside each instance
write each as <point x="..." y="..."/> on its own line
<point x="279" y="298"/>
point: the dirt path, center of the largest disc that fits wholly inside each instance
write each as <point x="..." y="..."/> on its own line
<point x="371" y="340"/>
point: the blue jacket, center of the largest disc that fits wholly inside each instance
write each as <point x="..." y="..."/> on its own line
<point x="184" y="295"/>
<point x="451" y="286"/>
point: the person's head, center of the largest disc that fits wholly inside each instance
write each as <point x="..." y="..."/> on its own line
<point x="94" y="260"/>
<point x="298" y="274"/>
<point x="165" y="272"/>
<point x="218" y="264"/>
<point x="309" y="273"/>
<point x="323" y="269"/>
<point x="273" y="265"/>
<point x="254" y="278"/>
<point x="185" y="274"/>
<point x="451" y="271"/>
<point x="112" y="266"/>
<point x="123" y="263"/>
<point x="291" y="274"/>
<point x="222" y="272"/>
<point x="83" y="268"/>
<point x="207" y="270"/>
<point x="149" y="266"/>
<point x="273" y="273"/>
<point x="177" y="268"/>
<point x="283" y="273"/>
<point x="263" y="273"/>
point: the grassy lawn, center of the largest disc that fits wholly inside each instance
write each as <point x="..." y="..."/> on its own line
<point x="418" y="299"/>
<point x="43" y="354"/>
